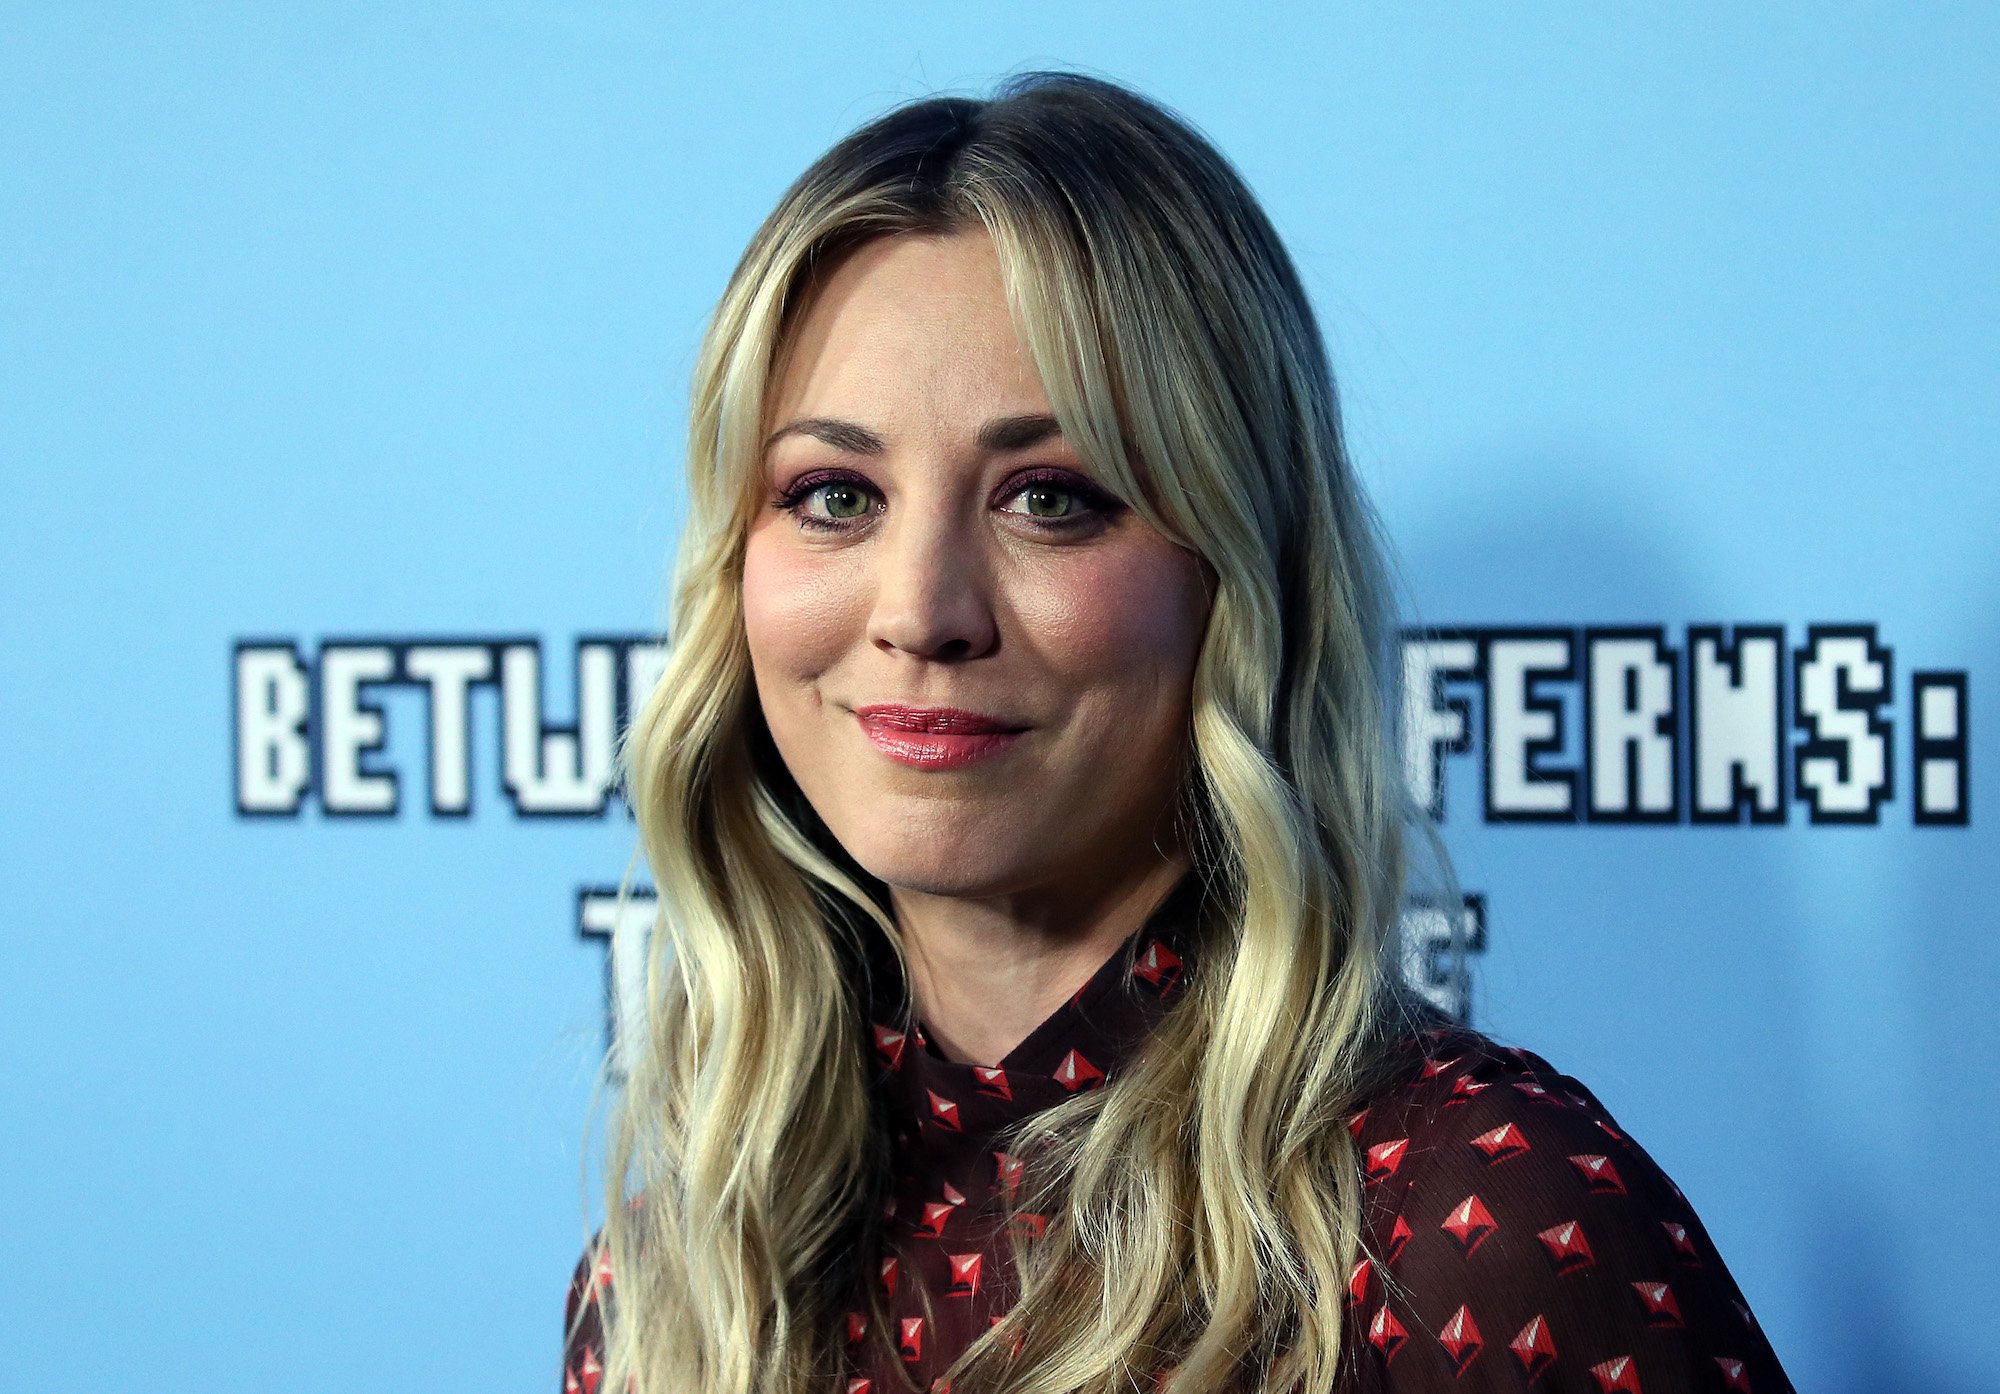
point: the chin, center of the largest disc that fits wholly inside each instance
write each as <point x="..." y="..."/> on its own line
<point x="937" y="850"/>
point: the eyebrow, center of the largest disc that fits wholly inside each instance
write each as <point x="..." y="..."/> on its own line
<point x="1001" y="433"/>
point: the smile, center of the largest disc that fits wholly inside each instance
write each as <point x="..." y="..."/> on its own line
<point x="936" y="738"/>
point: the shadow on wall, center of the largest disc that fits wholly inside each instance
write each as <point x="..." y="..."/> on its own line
<point x="1940" y="885"/>
<point x="1673" y="968"/>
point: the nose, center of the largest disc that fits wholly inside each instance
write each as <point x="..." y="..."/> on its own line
<point x="933" y="590"/>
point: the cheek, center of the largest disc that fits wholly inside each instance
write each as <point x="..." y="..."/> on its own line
<point x="1129" y="619"/>
<point x="795" y="614"/>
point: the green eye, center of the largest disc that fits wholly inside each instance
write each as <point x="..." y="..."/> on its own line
<point x="844" y="501"/>
<point x="1048" y="500"/>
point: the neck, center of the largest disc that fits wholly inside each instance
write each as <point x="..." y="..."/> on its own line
<point x="984" y="973"/>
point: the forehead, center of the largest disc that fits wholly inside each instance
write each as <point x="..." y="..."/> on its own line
<point x="902" y="324"/>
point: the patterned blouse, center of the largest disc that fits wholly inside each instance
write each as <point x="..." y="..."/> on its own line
<point x="1516" y="1238"/>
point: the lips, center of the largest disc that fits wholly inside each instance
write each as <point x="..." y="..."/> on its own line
<point x="936" y="738"/>
<point x="940" y="720"/>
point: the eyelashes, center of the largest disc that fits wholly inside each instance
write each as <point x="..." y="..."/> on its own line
<point x="806" y="485"/>
<point x="1095" y="506"/>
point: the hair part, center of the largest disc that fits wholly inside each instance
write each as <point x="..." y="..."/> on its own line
<point x="1205" y="1205"/>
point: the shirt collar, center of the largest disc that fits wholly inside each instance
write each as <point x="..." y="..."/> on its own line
<point x="945" y="1116"/>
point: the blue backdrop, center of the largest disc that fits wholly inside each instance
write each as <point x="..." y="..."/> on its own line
<point x="342" y="363"/>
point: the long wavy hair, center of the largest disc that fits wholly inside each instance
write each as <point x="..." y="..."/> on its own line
<point x="1206" y="1203"/>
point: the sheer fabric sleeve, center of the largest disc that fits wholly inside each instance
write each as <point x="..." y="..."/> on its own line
<point x="1522" y="1241"/>
<point x="583" y="1321"/>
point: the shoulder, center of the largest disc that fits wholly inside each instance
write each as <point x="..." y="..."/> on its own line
<point x="1510" y="1222"/>
<point x="1460" y="1099"/>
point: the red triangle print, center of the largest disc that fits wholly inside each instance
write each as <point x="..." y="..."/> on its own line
<point x="1434" y="1067"/>
<point x="1463" y="1088"/>
<point x="1007" y="1174"/>
<point x="1618" y="1375"/>
<point x="1536" y="1348"/>
<point x="1470" y="1223"/>
<point x="589" y="1373"/>
<point x="1611" y="1130"/>
<point x="1384" y="1158"/>
<point x="861" y="1386"/>
<point x="944" y="1206"/>
<point x="940" y="1385"/>
<point x="1159" y="967"/>
<point x="889" y="1046"/>
<point x="944" y="1112"/>
<point x="602" y="1273"/>
<point x="1502" y="1143"/>
<point x="1399" y="1235"/>
<point x="1568" y="1250"/>
<point x="1386" y="1334"/>
<point x="570" y="1384"/>
<point x="1077" y="1074"/>
<point x="1357" y="1282"/>
<point x="1599" y="1176"/>
<point x="963" y="1270"/>
<point x="1461" y="1339"/>
<point x="1683" y="1242"/>
<point x="1662" y="1309"/>
<point x="1537" y="1092"/>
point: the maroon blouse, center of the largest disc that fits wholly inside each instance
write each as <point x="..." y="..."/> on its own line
<point x="1529" y="1242"/>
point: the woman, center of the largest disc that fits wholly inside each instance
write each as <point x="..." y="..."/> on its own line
<point x="1024" y="805"/>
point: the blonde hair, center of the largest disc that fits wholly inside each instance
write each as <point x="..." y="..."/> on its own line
<point x="1206" y="1204"/>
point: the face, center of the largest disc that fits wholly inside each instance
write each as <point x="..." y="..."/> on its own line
<point x="974" y="659"/>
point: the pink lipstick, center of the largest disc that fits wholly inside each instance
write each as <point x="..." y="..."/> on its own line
<point x="936" y="738"/>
